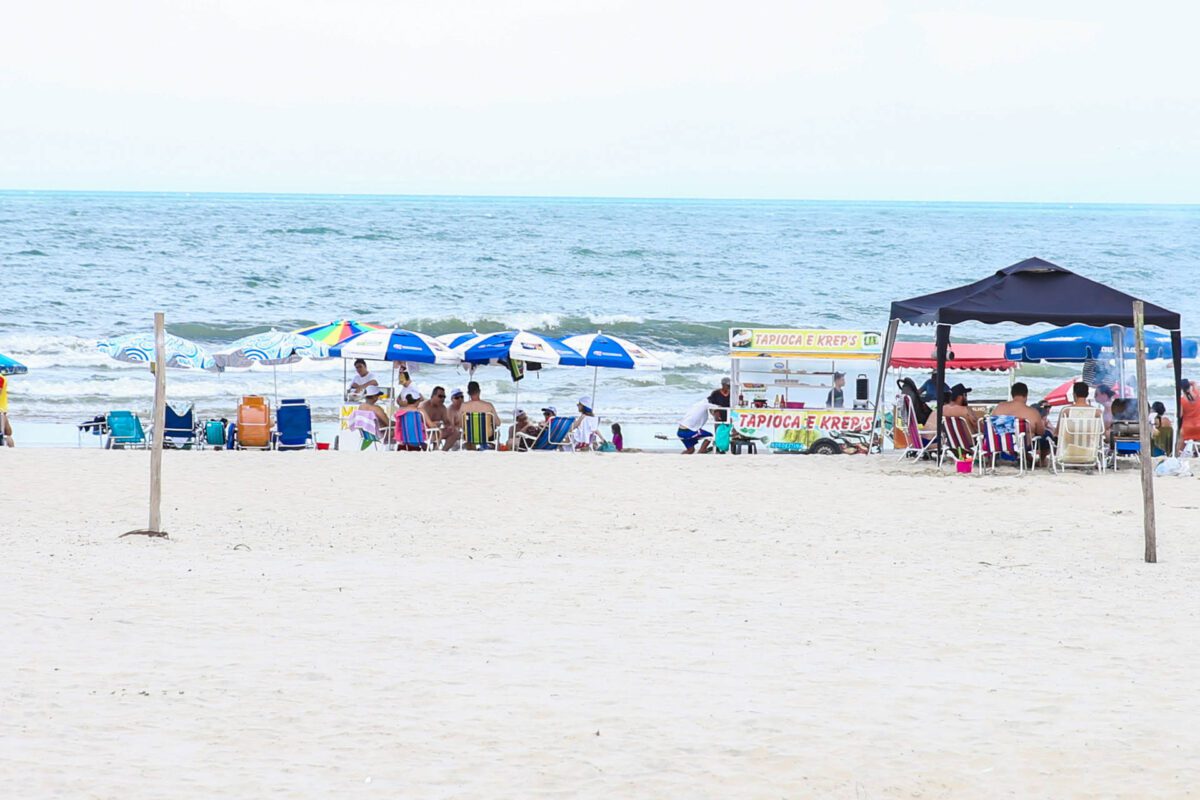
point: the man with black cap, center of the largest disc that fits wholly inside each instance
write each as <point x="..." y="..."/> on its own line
<point x="957" y="407"/>
<point x="720" y="398"/>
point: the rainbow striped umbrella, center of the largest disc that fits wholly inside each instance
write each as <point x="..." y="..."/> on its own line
<point x="337" y="332"/>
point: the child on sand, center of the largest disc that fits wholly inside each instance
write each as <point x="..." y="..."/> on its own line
<point x="618" y="441"/>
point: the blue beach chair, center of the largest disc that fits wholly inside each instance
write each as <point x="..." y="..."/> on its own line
<point x="124" y="430"/>
<point x="556" y="435"/>
<point x="293" y="425"/>
<point x="179" y="430"/>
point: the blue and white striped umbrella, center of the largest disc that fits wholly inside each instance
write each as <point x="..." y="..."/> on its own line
<point x="270" y="349"/>
<point x="10" y="366"/>
<point x="613" y="352"/>
<point x="453" y="340"/>
<point x="396" y="345"/>
<point x="519" y="346"/>
<point x="138" y="348"/>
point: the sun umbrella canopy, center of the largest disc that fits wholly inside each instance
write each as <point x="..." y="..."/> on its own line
<point x="1081" y="342"/>
<point x="453" y="340"/>
<point x="337" y="332"/>
<point x="519" y="346"/>
<point x="602" y="350"/>
<point x="10" y="366"/>
<point x="396" y="345"/>
<point x="270" y="349"/>
<point x="138" y="348"/>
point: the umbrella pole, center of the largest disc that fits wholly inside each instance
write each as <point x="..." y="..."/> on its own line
<point x="275" y="380"/>
<point x="595" y="376"/>
<point x="516" y="402"/>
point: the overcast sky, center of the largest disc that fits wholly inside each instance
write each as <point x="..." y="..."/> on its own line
<point x="1027" y="101"/>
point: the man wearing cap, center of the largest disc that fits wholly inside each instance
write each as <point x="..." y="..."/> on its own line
<point x="454" y="411"/>
<point x="548" y="413"/>
<point x="719" y="398"/>
<point x="371" y="403"/>
<point x="957" y="407"/>
<point x="522" y="425"/>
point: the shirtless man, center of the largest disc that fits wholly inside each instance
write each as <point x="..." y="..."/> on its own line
<point x="957" y="407"/>
<point x="474" y="405"/>
<point x="525" y="425"/>
<point x="1019" y="407"/>
<point x="438" y="416"/>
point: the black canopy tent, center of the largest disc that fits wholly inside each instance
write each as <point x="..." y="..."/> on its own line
<point x="1027" y="293"/>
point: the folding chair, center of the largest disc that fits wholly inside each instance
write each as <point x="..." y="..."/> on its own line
<point x="1080" y="440"/>
<point x="918" y="444"/>
<point x="179" y="430"/>
<point x="293" y="426"/>
<point x="410" y="433"/>
<point x="960" y="443"/>
<point x="125" y="430"/>
<point x="480" y="430"/>
<point x="367" y="424"/>
<point x="253" y="423"/>
<point x="1003" y="437"/>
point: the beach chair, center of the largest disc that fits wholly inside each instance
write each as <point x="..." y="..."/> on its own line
<point x="479" y="429"/>
<point x="367" y="424"/>
<point x="96" y="426"/>
<point x="254" y="423"/>
<point x="1080" y="440"/>
<point x="918" y="443"/>
<point x="960" y="443"/>
<point x="554" y="435"/>
<point x="409" y="432"/>
<point x="1002" y="438"/>
<point x="1126" y="441"/>
<point x="124" y="431"/>
<point x="179" y="430"/>
<point x="293" y="426"/>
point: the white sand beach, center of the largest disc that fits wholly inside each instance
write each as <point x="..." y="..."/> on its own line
<point x="501" y="625"/>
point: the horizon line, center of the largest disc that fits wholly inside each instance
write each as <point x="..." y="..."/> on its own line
<point x="581" y="197"/>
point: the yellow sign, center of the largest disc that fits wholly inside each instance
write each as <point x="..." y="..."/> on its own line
<point x="804" y="340"/>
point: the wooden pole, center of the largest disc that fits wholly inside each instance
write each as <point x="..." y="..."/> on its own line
<point x="156" y="441"/>
<point x="160" y="420"/>
<point x="1147" y="462"/>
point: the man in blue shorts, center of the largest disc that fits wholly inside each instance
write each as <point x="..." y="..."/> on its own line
<point x="691" y="428"/>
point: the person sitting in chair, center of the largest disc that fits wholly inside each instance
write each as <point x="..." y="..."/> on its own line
<point x="957" y="407"/>
<point x="362" y="380"/>
<point x="1019" y="408"/>
<point x="371" y="403"/>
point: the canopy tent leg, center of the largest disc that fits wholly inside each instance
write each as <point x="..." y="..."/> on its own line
<point x="1118" y="342"/>
<point x="943" y="344"/>
<point x="889" y="341"/>
<point x="1177" y="367"/>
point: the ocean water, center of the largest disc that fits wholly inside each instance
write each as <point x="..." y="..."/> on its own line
<point x="672" y="275"/>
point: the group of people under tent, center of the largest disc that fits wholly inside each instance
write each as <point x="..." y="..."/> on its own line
<point x="443" y="412"/>
<point x="956" y="403"/>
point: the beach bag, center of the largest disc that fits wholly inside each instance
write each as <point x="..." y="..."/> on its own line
<point x="214" y="433"/>
<point x="1173" y="467"/>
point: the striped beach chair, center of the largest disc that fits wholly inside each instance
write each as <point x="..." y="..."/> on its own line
<point x="367" y="424"/>
<point x="1003" y="438"/>
<point x="554" y="435"/>
<point x="409" y="431"/>
<point x="960" y="443"/>
<point x="918" y="444"/>
<point x="1080" y="440"/>
<point x="479" y="430"/>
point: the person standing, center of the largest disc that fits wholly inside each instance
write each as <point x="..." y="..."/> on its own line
<point x="409" y="394"/>
<point x="836" y="397"/>
<point x="719" y="399"/>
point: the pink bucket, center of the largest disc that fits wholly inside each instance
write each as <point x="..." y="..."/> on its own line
<point x="964" y="467"/>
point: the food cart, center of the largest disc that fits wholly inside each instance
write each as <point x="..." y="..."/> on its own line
<point x="783" y="388"/>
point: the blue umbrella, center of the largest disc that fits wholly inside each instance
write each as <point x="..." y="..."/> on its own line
<point x="270" y="349"/>
<point x="612" y="352"/>
<point x="396" y="345"/>
<point x="1076" y="343"/>
<point x="518" y="346"/>
<point x="138" y="348"/>
<point x="9" y="366"/>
